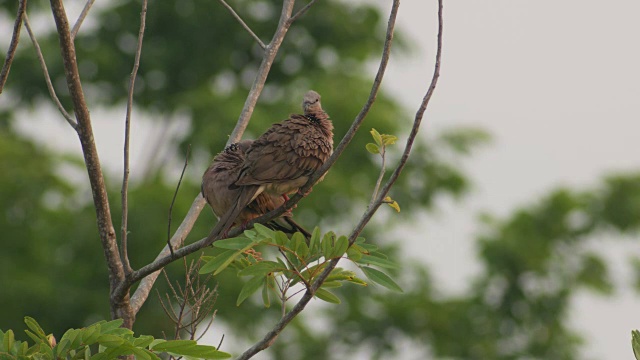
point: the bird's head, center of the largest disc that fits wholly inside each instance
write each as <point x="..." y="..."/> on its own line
<point x="311" y="102"/>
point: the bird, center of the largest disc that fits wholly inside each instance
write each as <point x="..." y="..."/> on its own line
<point x="282" y="159"/>
<point x="215" y="189"/>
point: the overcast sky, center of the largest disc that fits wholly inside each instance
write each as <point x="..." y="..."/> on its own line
<point x="556" y="83"/>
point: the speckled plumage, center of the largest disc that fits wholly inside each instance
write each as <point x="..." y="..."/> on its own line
<point x="281" y="160"/>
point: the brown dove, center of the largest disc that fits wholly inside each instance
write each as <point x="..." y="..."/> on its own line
<point x="281" y="160"/>
<point x="222" y="172"/>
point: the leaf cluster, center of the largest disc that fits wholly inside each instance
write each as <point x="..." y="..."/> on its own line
<point x="100" y="341"/>
<point x="297" y="261"/>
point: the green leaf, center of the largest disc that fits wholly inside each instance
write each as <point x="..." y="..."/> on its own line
<point x="372" y="148"/>
<point x="72" y="336"/>
<point x="315" y="240"/>
<point x="264" y="231"/>
<point x="249" y="288"/>
<point x="110" y="326"/>
<point x="339" y="274"/>
<point x="394" y="204"/>
<point x="342" y="244"/>
<point x="327" y="296"/>
<point x="143" y="341"/>
<point x="261" y="268"/>
<point x="381" y="278"/>
<point x="225" y="257"/>
<point x="376" y="136"/>
<point x="174" y="345"/>
<point x="35" y="327"/>
<point x="388" y="139"/>
<point x="635" y="343"/>
<point x="62" y="347"/>
<point x="377" y="261"/>
<point x="358" y="281"/>
<point x="354" y="254"/>
<point x="202" y="352"/>
<point x="7" y="342"/>
<point x="110" y="341"/>
<point x="300" y="244"/>
<point x="281" y="238"/>
<point x="34" y="337"/>
<point x="143" y="354"/>
<point x="236" y="243"/>
<point x="265" y="295"/>
<point x="331" y="284"/>
<point x="90" y="334"/>
<point x="327" y="244"/>
<point x="250" y="234"/>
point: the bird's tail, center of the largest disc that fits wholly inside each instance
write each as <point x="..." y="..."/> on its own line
<point x="244" y="197"/>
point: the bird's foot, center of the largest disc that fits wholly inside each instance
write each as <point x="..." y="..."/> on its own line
<point x="306" y="192"/>
<point x="286" y="198"/>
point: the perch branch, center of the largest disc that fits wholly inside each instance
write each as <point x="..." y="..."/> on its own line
<point x="127" y="131"/>
<point x="13" y="45"/>
<point x="271" y="336"/>
<point x="150" y="271"/>
<point x="120" y="306"/>
<point x="244" y="25"/>
<point x="81" y="18"/>
<point x="47" y="78"/>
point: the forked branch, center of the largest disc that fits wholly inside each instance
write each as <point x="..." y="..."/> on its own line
<point x="271" y="335"/>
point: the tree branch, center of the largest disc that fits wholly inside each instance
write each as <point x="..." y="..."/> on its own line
<point x="13" y="45"/>
<point x="302" y="11"/>
<point x="120" y="307"/>
<point x="47" y="78"/>
<point x="127" y="131"/>
<point x="81" y="18"/>
<point x="270" y="53"/>
<point x="151" y="271"/>
<point x="271" y="336"/>
<point x="244" y="25"/>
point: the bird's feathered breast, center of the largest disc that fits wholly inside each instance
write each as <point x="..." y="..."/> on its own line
<point x="291" y="149"/>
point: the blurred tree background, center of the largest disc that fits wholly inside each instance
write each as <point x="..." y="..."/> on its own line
<point x="197" y="66"/>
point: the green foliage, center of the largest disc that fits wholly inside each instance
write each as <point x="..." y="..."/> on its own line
<point x="102" y="340"/>
<point x="635" y="343"/>
<point x="296" y="260"/>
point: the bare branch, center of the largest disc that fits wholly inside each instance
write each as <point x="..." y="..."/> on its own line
<point x="244" y="25"/>
<point x="270" y="53"/>
<point x="13" y="45"/>
<point x="175" y="194"/>
<point x="127" y="130"/>
<point x="271" y="336"/>
<point x="47" y="78"/>
<point x="150" y="271"/>
<point x="119" y="306"/>
<point x="81" y="18"/>
<point x="302" y="11"/>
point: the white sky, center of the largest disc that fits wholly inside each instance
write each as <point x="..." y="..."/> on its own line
<point x="556" y="83"/>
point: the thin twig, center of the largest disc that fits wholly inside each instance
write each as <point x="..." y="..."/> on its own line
<point x="302" y="11"/>
<point x="270" y="53"/>
<point x="13" y="45"/>
<point x="270" y="337"/>
<point x="47" y="78"/>
<point x="173" y="201"/>
<point x="244" y="25"/>
<point x="81" y="18"/>
<point x="220" y="344"/>
<point x="127" y="130"/>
